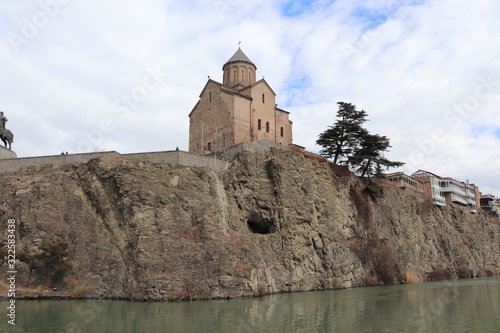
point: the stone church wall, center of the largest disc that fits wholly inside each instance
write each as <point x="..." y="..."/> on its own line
<point x="285" y="135"/>
<point x="210" y="121"/>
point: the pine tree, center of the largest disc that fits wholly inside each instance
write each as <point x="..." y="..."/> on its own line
<point x="348" y="142"/>
<point x="368" y="158"/>
<point x="339" y="140"/>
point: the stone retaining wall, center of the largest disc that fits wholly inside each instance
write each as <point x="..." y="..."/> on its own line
<point x="260" y="147"/>
<point x="12" y="164"/>
<point x="6" y="153"/>
<point x="172" y="157"/>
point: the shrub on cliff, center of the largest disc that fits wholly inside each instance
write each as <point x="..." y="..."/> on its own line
<point x="50" y="260"/>
<point x="4" y="252"/>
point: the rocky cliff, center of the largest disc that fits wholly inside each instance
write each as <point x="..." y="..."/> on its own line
<point x="275" y="222"/>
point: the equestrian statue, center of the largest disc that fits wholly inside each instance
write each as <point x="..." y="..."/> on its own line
<point x="5" y="134"/>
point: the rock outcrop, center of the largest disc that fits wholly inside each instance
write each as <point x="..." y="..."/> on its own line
<point x="270" y="223"/>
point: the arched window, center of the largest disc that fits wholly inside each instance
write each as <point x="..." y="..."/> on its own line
<point x="234" y="78"/>
<point x="259" y="124"/>
<point x="249" y="76"/>
<point x="242" y="75"/>
<point x="263" y="98"/>
<point x="267" y="127"/>
<point x="210" y="97"/>
<point x="282" y="131"/>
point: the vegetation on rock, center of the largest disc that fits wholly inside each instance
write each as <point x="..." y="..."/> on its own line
<point x="50" y="260"/>
<point x="348" y="143"/>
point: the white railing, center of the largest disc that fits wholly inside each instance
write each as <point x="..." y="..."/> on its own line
<point x="439" y="200"/>
<point x="459" y="198"/>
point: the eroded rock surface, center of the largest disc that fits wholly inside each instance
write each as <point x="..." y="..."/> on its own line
<point x="274" y="222"/>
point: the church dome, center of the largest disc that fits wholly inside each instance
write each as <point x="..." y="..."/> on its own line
<point x="239" y="70"/>
<point x="239" y="56"/>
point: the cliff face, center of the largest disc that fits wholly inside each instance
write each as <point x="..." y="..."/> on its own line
<point x="273" y="222"/>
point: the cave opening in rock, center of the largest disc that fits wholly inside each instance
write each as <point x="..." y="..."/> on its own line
<point x="258" y="224"/>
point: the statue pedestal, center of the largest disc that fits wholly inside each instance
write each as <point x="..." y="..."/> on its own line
<point x="6" y="154"/>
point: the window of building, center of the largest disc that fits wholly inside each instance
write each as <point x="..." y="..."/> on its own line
<point x="234" y="78"/>
<point x="210" y="97"/>
<point x="282" y="131"/>
<point x="267" y="127"/>
<point x="259" y="124"/>
<point x="263" y="98"/>
<point x="209" y="146"/>
<point x="242" y="75"/>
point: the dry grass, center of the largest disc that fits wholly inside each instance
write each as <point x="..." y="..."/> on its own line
<point x="437" y="275"/>
<point x="463" y="273"/>
<point x="4" y="286"/>
<point x="371" y="278"/>
<point x="261" y="291"/>
<point x="384" y="183"/>
<point x="382" y="268"/>
<point x="32" y="292"/>
<point x="411" y="278"/>
<point x="82" y="291"/>
<point x="340" y="170"/>
<point x="73" y="282"/>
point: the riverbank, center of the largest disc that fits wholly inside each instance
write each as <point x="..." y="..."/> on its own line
<point x="44" y="293"/>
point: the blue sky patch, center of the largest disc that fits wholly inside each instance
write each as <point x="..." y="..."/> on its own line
<point x="477" y="130"/>
<point x="373" y="18"/>
<point x="297" y="8"/>
<point x="296" y="89"/>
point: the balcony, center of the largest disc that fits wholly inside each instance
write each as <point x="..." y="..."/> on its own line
<point x="471" y="201"/>
<point x="458" y="198"/>
<point x="439" y="201"/>
<point x="453" y="187"/>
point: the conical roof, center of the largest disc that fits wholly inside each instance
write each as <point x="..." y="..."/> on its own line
<point x="239" y="56"/>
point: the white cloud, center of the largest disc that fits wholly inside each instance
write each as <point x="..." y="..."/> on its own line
<point x="407" y="63"/>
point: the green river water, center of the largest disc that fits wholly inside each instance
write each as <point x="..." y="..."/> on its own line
<point x="446" y="306"/>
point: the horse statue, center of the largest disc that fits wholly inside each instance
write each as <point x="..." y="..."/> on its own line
<point x="7" y="137"/>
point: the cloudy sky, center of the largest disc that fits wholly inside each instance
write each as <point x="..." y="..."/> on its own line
<point x="83" y="76"/>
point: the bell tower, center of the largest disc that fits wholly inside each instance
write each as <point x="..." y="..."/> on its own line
<point x="239" y="71"/>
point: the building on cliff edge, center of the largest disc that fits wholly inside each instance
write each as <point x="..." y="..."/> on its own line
<point x="440" y="191"/>
<point x="238" y="110"/>
<point x="444" y="191"/>
<point x="490" y="204"/>
<point x="408" y="184"/>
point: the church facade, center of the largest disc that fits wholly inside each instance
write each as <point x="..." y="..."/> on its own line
<point x="240" y="109"/>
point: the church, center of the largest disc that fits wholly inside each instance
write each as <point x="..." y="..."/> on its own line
<point x="240" y="109"/>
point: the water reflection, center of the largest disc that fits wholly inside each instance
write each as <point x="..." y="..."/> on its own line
<point x="448" y="306"/>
